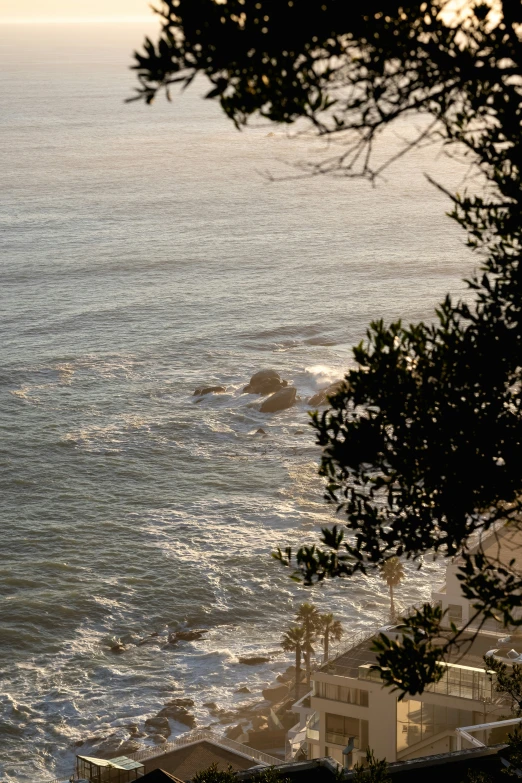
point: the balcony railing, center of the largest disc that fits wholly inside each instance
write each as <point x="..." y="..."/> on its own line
<point x="332" y="738"/>
<point x="465" y="682"/>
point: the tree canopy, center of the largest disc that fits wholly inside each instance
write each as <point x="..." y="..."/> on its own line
<point x="422" y="446"/>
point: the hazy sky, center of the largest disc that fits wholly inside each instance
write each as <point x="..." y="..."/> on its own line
<point x="57" y="10"/>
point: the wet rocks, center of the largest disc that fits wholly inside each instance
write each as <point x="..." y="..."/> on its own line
<point x="158" y="725"/>
<point x="260" y="431"/>
<point x="320" y="398"/>
<point x="134" y="731"/>
<point x="158" y="739"/>
<point x="253" y="660"/>
<point x="118" y="648"/>
<point x="115" y="746"/>
<point x="185" y="636"/>
<point x="234" y="732"/>
<point x="243" y="689"/>
<point x="177" y="710"/>
<point x="202" y="390"/>
<point x="276" y="694"/>
<point x="279" y="401"/>
<point x="287" y="675"/>
<point x="265" y="382"/>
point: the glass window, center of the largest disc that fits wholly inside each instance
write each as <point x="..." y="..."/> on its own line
<point x="325" y="690"/>
<point x="455" y="612"/>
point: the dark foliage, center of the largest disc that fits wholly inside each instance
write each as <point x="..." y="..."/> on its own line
<point x="215" y="775"/>
<point x="422" y="447"/>
<point x="374" y="771"/>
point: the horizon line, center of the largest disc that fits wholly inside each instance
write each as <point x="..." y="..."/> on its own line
<point x="114" y="19"/>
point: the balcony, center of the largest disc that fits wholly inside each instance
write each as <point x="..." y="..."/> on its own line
<point x="465" y="682"/>
<point x="332" y="738"/>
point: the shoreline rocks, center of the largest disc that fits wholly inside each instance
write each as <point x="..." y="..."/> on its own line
<point x="177" y="709"/>
<point x="279" y="401"/>
<point x="254" y="660"/>
<point x="320" y="397"/>
<point x="202" y="390"/>
<point x="185" y="636"/>
<point x="265" y="382"/>
<point x="158" y="725"/>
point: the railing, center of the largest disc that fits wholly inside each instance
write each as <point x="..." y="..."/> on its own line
<point x="332" y="738"/>
<point x="465" y="682"/>
<point x="63" y="779"/>
<point x="197" y="736"/>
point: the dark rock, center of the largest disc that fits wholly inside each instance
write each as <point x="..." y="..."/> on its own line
<point x="276" y="694"/>
<point x="117" y="649"/>
<point x="202" y="390"/>
<point x="116" y="746"/>
<point x="280" y="400"/>
<point x="253" y="660"/>
<point x="299" y="432"/>
<point x="158" y="739"/>
<point x="180" y="702"/>
<point x="185" y="636"/>
<point x="158" y="725"/>
<point x="211" y="705"/>
<point x="234" y="732"/>
<point x="226" y="716"/>
<point x="260" y="431"/>
<point x="179" y="714"/>
<point x="288" y="674"/>
<point x="134" y="731"/>
<point x="243" y="689"/>
<point x="264" y="382"/>
<point x="320" y="398"/>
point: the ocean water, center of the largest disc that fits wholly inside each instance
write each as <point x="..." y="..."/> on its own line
<point x="144" y="252"/>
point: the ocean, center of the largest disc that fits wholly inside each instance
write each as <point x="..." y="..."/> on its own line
<point x="146" y="251"/>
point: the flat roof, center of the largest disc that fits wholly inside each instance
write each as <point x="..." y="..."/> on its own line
<point x="184" y="762"/>
<point x="347" y="664"/>
<point x="122" y="762"/>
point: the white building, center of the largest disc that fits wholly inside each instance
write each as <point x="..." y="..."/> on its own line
<point x="350" y="710"/>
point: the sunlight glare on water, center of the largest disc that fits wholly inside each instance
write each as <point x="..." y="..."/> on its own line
<point x="143" y="254"/>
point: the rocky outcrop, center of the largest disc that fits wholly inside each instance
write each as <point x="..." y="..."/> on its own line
<point x="260" y="431"/>
<point x="234" y="732"/>
<point x="114" y="746"/>
<point x="177" y="710"/>
<point x="158" y="725"/>
<point x="253" y="660"/>
<point x="276" y="694"/>
<point x="320" y="397"/>
<point x="202" y="390"/>
<point x="243" y="689"/>
<point x="265" y="382"/>
<point x="185" y="636"/>
<point x="279" y="401"/>
<point x="118" y="648"/>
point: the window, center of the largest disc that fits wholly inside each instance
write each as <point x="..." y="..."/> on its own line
<point x="340" y="729"/>
<point x="455" y="613"/>
<point x="325" y="690"/>
<point x="417" y="721"/>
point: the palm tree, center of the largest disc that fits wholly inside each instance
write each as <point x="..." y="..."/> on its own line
<point x="393" y="573"/>
<point x="329" y="629"/>
<point x="293" y="641"/>
<point x="309" y="616"/>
